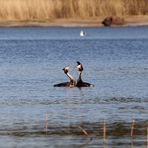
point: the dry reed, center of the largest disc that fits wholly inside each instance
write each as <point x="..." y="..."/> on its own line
<point x="46" y="123"/>
<point x="83" y="130"/>
<point x="132" y="128"/>
<point x="104" y="132"/>
<point x="147" y="136"/>
<point x="42" y="10"/>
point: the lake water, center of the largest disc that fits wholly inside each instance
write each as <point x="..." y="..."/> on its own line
<point x="35" y="114"/>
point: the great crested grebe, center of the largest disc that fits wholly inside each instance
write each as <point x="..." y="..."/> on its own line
<point x="80" y="83"/>
<point x="72" y="81"/>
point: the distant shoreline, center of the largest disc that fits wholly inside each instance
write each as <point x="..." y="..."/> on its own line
<point x="91" y="22"/>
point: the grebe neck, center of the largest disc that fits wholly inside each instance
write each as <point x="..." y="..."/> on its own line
<point x="79" y="77"/>
<point x="72" y="79"/>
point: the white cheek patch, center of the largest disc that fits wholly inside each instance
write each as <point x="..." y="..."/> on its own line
<point x="79" y="66"/>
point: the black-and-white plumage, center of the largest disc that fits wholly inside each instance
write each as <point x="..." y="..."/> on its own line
<point x="80" y="82"/>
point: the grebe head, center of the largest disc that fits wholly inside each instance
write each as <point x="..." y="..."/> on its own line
<point x="79" y="66"/>
<point x="66" y="69"/>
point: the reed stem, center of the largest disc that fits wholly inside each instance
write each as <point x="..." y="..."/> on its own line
<point x="147" y="136"/>
<point x="83" y="130"/>
<point x="132" y="128"/>
<point x="46" y="123"/>
<point x="104" y="132"/>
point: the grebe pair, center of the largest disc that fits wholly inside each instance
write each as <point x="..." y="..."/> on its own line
<point x="73" y="82"/>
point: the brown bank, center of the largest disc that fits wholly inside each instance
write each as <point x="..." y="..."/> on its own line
<point x="90" y="22"/>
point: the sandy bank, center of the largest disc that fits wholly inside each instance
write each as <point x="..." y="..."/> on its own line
<point x="96" y="22"/>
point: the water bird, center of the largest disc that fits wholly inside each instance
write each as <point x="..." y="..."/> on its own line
<point x="80" y="82"/>
<point x="82" y="33"/>
<point x="72" y="81"/>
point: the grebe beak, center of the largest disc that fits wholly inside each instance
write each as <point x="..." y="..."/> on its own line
<point x="76" y="67"/>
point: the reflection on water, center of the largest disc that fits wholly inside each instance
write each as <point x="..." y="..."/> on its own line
<point x="31" y="61"/>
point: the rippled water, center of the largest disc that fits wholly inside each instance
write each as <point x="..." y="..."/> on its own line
<point x="31" y="61"/>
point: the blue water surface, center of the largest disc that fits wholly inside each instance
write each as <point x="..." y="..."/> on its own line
<point x="31" y="61"/>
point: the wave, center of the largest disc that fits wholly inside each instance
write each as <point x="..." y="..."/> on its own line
<point x="118" y="128"/>
<point x="73" y="100"/>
